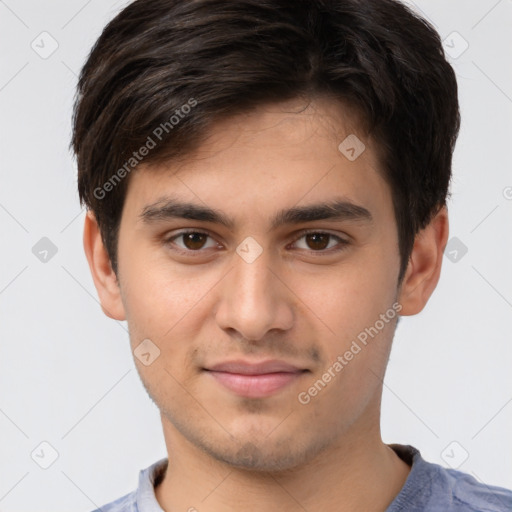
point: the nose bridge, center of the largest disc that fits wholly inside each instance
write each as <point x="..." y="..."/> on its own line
<point x="252" y="280"/>
<point x="253" y="299"/>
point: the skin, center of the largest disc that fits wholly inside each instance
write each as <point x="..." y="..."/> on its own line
<point x="229" y="452"/>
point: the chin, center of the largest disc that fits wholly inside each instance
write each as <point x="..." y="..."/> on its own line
<point x="261" y="454"/>
<point x="259" y="457"/>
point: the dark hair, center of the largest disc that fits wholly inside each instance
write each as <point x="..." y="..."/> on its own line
<point x="223" y="57"/>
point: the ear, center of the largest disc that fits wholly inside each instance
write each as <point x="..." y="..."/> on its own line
<point x="105" y="279"/>
<point x="424" y="268"/>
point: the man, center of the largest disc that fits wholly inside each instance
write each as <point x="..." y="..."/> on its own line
<point x="266" y="186"/>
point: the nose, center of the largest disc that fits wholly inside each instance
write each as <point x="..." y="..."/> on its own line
<point x="254" y="299"/>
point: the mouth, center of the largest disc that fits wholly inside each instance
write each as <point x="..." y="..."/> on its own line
<point x="255" y="380"/>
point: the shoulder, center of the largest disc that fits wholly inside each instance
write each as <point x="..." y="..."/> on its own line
<point x="142" y="499"/>
<point x="127" y="503"/>
<point x="431" y="487"/>
<point x="470" y="494"/>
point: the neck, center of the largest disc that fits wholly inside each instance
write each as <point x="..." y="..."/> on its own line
<point x="357" y="472"/>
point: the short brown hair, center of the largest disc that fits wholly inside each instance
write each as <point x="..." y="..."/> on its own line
<point x="158" y="56"/>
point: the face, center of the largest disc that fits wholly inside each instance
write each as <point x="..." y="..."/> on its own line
<point x="255" y="274"/>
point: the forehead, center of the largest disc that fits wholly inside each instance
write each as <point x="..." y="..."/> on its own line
<point x="287" y="153"/>
<point x="285" y="125"/>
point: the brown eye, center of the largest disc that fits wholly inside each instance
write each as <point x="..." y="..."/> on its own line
<point x="194" y="241"/>
<point x="318" y="241"/>
<point x="190" y="241"/>
<point x="321" y="242"/>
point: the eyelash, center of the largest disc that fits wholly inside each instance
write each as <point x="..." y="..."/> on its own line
<point x="188" y="252"/>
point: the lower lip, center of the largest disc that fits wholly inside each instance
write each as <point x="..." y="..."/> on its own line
<point x="255" y="386"/>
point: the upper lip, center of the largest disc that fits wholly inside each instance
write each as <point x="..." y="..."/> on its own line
<point x="247" y="368"/>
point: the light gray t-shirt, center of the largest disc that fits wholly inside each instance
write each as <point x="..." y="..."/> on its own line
<point x="428" y="488"/>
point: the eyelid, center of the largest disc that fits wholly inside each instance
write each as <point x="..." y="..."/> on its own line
<point x="342" y="242"/>
<point x="307" y="231"/>
<point x="340" y="246"/>
<point x="168" y="240"/>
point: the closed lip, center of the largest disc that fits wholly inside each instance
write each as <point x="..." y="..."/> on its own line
<point x="250" y="368"/>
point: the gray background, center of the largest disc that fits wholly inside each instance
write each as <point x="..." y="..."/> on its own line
<point x="67" y="377"/>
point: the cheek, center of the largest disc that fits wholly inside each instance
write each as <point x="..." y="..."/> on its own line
<point x="348" y="306"/>
<point x="350" y="297"/>
<point x="157" y="293"/>
<point x="171" y="310"/>
<point x="351" y="378"/>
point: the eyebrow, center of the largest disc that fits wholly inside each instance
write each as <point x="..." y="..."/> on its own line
<point x="336" y="209"/>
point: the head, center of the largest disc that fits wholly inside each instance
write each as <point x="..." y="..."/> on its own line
<point x="249" y="123"/>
